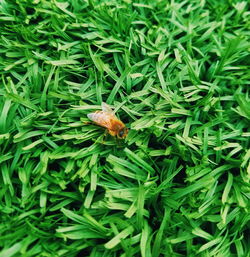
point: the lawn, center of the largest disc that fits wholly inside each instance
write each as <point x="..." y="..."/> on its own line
<point x="177" y="74"/>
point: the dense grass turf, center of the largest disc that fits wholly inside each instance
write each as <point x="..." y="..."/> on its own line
<point x="177" y="74"/>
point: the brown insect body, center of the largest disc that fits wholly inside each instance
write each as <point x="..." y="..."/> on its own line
<point x="107" y="119"/>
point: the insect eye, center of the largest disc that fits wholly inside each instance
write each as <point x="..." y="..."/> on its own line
<point x="121" y="133"/>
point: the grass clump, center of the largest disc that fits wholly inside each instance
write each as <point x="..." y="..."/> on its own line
<point x="177" y="73"/>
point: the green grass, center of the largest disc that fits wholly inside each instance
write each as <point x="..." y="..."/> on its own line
<point x="177" y="73"/>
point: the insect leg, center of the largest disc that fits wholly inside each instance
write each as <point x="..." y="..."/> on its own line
<point x="88" y="123"/>
<point x="104" y="136"/>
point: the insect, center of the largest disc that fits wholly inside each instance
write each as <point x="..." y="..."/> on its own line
<point x="107" y="119"/>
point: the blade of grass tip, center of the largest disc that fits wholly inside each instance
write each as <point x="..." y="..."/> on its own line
<point x="62" y="62"/>
<point x="93" y="178"/>
<point x="144" y="122"/>
<point x="95" y="59"/>
<point x="210" y="244"/>
<point x="28" y="213"/>
<point x="205" y="141"/>
<point x="69" y="166"/>
<point x="125" y="244"/>
<point x="239" y="248"/>
<point x="13" y="250"/>
<point x="129" y="84"/>
<point x="227" y="218"/>
<point x="187" y="127"/>
<point x="201" y="233"/>
<point x="6" y="157"/>
<point x="227" y="189"/>
<point x="184" y="237"/>
<point x="70" y="228"/>
<point x="20" y="100"/>
<point x="93" y="159"/>
<point x="117" y="239"/>
<point x="46" y="86"/>
<point x="241" y="201"/>
<point x="202" y="183"/>
<point x="194" y="77"/>
<point x="27" y="242"/>
<point x="117" y="206"/>
<point x="228" y="51"/>
<point x="149" y="83"/>
<point x="99" y="86"/>
<point x="32" y="145"/>
<point x="10" y="87"/>
<point x="9" y="67"/>
<point x="128" y="194"/>
<point x="145" y="240"/>
<point x="80" y="233"/>
<point x="166" y="181"/>
<point x="117" y="85"/>
<point x="62" y="6"/>
<point x="23" y="135"/>
<point x="18" y="152"/>
<point x="218" y="142"/>
<point x="117" y="62"/>
<point x="4" y="136"/>
<point x="166" y="96"/>
<point x="88" y="199"/>
<point x="6" y="178"/>
<point x="135" y="158"/>
<point x="224" y="211"/>
<point x="4" y="115"/>
<point x="199" y="174"/>
<point x="222" y="248"/>
<point x="245" y="158"/>
<point x="94" y="222"/>
<point x="83" y="171"/>
<point x="161" y="77"/>
<point x="131" y="211"/>
<point x="128" y="165"/>
<point x="61" y="205"/>
<point x="140" y="206"/>
<point x="43" y="202"/>
<point x="243" y="105"/>
<point x="50" y="142"/>
<point x="125" y="173"/>
<point x="156" y="251"/>
<point x="73" y="216"/>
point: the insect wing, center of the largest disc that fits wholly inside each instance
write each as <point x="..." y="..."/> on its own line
<point x="107" y="108"/>
<point x="100" y="118"/>
<point x="92" y="116"/>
